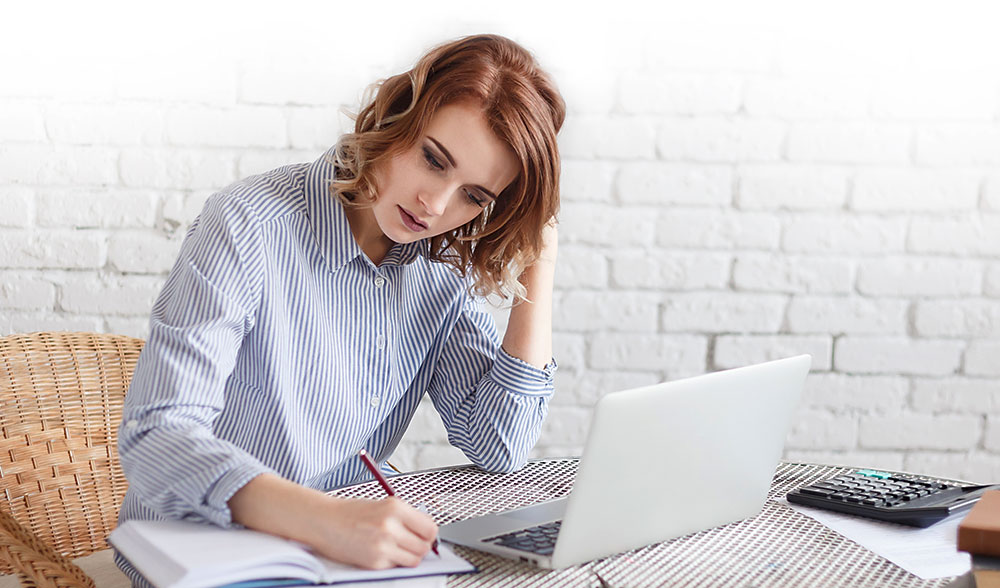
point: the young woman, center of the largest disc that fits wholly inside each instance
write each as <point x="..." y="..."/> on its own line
<point x="311" y="307"/>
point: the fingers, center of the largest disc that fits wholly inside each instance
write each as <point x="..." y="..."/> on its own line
<point x="381" y="534"/>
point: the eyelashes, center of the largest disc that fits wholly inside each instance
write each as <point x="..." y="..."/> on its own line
<point x="432" y="161"/>
<point x="435" y="164"/>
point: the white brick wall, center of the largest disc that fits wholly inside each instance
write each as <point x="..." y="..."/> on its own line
<point x="728" y="197"/>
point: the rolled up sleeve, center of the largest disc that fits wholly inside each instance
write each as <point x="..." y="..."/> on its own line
<point x="492" y="404"/>
<point x="174" y="463"/>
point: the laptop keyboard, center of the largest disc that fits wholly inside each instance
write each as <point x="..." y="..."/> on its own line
<point x="540" y="539"/>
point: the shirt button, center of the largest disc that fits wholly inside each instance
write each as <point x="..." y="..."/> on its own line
<point x="379" y="282"/>
<point x="380" y="342"/>
<point x="375" y="400"/>
<point x="131" y="424"/>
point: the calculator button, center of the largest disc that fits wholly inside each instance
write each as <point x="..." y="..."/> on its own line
<point x="816" y="491"/>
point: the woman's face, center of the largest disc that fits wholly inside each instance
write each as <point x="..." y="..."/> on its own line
<point x="457" y="168"/>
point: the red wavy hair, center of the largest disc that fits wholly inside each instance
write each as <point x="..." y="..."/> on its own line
<point x="522" y="107"/>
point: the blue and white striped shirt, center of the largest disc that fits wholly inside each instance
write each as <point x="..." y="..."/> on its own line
<point x="277" y="346"/>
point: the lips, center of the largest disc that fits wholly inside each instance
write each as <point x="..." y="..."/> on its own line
<point x="411" y="221"/>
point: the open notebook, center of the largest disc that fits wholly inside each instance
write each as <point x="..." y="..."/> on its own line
<point x="182" y="554"/>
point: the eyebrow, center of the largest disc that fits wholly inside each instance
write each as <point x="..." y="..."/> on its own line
<point x="451" y="160"/>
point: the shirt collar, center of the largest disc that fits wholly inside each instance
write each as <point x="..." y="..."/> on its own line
<point x="330" y="225"/>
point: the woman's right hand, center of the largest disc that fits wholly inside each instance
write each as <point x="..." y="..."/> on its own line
<point x="372" y="534"/>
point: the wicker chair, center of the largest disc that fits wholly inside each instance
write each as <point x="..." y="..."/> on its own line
<point x="61" y="397"/>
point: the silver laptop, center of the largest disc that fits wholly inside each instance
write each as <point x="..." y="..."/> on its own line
<point x="660" y="462"/>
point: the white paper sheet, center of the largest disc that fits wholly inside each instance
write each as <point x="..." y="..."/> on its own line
<point x="928" y="553"/>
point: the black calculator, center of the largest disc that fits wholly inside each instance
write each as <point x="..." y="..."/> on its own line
<point x="897" y="498"/>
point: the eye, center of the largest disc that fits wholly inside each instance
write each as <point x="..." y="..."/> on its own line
<point x="475" y="199"/>
<point x="432" y="161"/>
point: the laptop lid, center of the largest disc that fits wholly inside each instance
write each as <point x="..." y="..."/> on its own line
<point x="675" y="458"/>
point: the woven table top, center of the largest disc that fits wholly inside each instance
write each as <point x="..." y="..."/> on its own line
<point x="777" y="548"/>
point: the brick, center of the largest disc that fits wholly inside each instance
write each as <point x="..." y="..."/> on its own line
<point x="581" y="267"/>
<point x="991" y="281"/>
<point x="967" y="97"/>
<point x="675" y="356"/>
<point x="991" y="440"/>
<point x="242" y="126"/>
<point x="958" y="318"/>
<point x="118" y="123"/>
<point x="919" y="431"/>
<point x="26" y="291"/>
<point x="982" y="358"/>
<point x="840" y="142"/>
<point x="182" y="169"/>
<point x="865" y="394"/>
<point x="96" y="208"/>
<point x="607" y="137"/>
<point x="142" y="252"/>
<point x="800" y="188"/>
<point x="792" y="274"/>
<point x="822" y="430"/>
<point x="798" y="97"/>
<point x="137" y="327"/>
<point x="670" y="270"/>
<point x="439" y="455"/>
<point x="717" y="229"/>
<point x="643" y="92"/>
<point x="587" y="181"/>
<point x="21" y="121"/>
<point x="166" y="79"/>
<point x="991" y="194"/>
<point x="968" y="144"/>
<point x="965" y="235"/>
<point x="253" y="162"/>
<point x="33" y="321"/>
<point x="52" y="249"/>
<point x="843" y="234"/>
<point x="107" y="295"/>
<point x="425" y="426"/>
<point x="895" y="355"/>
<point x="733" y="351"/>
<point x="299" y="81"/>
<point x="970" y="466"/>
<point x="315" y="128"/>
<point x="586" y="387"/>
<point x="914" y="190"/>
<point x="597" y="224"/>
<point x="18" y="206"/>
<point x="81" y="165"/>
<point x="725" y="312"/>
<point x="565" y="425"/>
<point x="902" y="276"/>
<point x="672" y="183"/>
<point x="180" y="210"/>
<point x="879" y="460"/>
<point x="956" y="395"/>
<point x="606" y="310"/>
<point x="22" y="164"/>
<point x="720" y="140"/>
<point x="570" y="350"/>
<point x="848" y="314"/>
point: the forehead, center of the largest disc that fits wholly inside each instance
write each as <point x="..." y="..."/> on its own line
<point x="481" y="158"/>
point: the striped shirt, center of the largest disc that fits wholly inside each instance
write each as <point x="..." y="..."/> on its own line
<point x="277" y="346"/>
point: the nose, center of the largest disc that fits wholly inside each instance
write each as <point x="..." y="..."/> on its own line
<point x="435" y="199"/>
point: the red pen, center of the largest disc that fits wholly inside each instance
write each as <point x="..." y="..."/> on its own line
<point x="385" y="485"/>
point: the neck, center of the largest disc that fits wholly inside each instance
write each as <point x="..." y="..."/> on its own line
<point x="367" y="233"/>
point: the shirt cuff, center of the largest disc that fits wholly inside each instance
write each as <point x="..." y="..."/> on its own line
<point x="217" y="500"/>
<point x="516" y="375"/>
